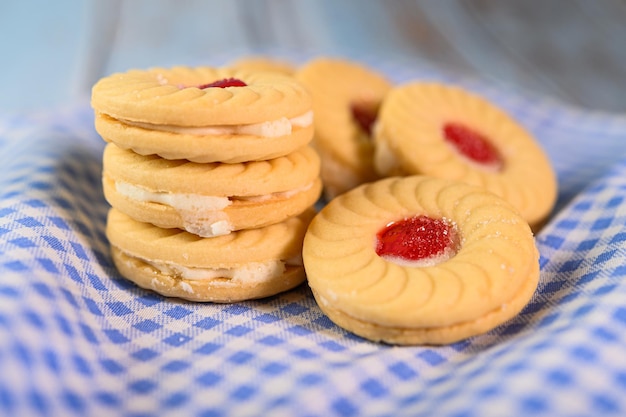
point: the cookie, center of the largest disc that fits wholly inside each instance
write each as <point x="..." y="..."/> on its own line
<point x="420" y="260"/>
<point x="346" y="96"/>
<point x="210" y="199"/>
<point x="240" y="266"/>
<point x="445" y="131"/>
<point x="203" y="114"/>
<point x="264" y="63"/>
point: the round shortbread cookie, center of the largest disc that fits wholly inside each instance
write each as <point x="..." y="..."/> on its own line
<point x="420" y="260"/>
<point x="174" y="96"/>
<point x="346" y="96"/>
<point x="241" y="266"/>
<point x="444" y="131"/>
<point x="228" y="148"/>
<point x="210" y="199"/>
<point x="203" y="114"/>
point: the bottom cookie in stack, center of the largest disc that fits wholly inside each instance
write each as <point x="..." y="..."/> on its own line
<point x="242" y="265"/>
<point x="210" y="231"/>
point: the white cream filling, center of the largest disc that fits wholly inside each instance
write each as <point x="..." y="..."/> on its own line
<point x="385" y="161"/>
<point x="269" y="129"/>
<point x="175" y="200"/>
<point x="250" y="273"/>
<point x="202" y="215"/>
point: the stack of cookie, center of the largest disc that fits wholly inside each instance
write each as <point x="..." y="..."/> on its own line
<point x="210" y="178"/>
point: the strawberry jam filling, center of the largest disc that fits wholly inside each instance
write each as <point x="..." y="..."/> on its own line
<point x="472" y="145"/>
<point x="419" y="241"/>
<point x="365" y="115"/>
<point x="226" y="82"/>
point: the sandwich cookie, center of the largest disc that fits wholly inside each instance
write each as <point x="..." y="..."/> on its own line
<point x="210" y="199"/>
<point x="420" y="260"/>
<point x="203" y="114"/>
<point x="240" y="266"/>
<point x="346" y="96"/>
<point x="444" y="131"/>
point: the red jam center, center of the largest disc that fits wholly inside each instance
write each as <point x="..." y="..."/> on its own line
<point x="226" y="82"/>
<point x="472" y="144"/>
<point x="365" y="116"/>
<point x="416" y="238"/>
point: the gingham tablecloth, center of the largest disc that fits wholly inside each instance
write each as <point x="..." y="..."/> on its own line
<point x="77" y="339"/>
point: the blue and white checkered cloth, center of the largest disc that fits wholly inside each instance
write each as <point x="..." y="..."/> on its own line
<point x="78" y="340"/>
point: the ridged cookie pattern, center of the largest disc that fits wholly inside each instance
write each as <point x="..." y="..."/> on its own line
<point x="347" y="151"/>
<point x="170" y="96"/>
<point x="496" y="264"/>
<point x="410" y="126"/>
<point x="145" y="241"/>
<point x="293" y="171"/>
<point x="219" y="290"/>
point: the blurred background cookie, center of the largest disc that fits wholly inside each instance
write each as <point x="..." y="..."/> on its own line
<point x="210" y="199"/>
<point x="346" y="96"/>
<point x="448" y="132"/>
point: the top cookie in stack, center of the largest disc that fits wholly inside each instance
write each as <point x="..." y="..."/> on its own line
<point x="204" y="114"/>
<point x="205" y="161"/>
